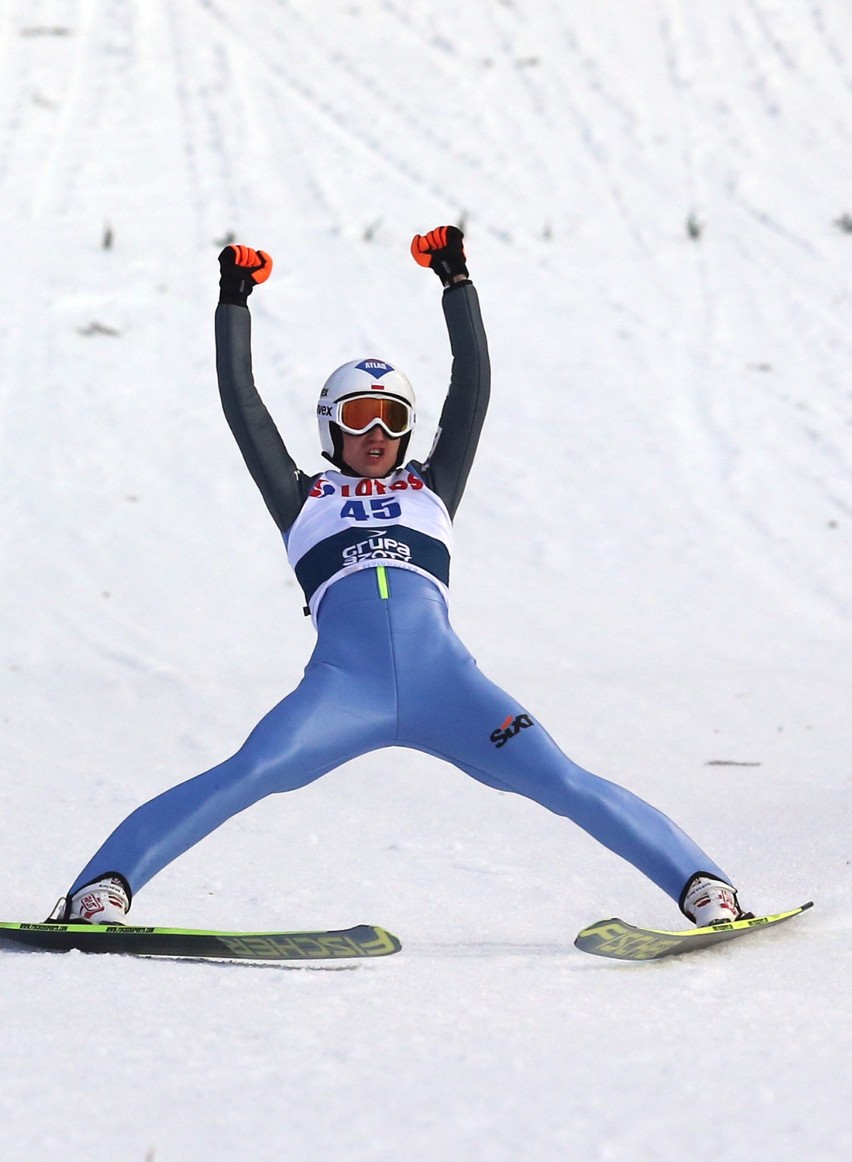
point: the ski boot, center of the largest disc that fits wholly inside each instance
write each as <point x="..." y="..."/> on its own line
<point x="708" y="901"/>
<point x="106" y="901"/>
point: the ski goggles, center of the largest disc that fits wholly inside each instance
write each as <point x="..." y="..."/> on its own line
<point x="356" y="416"/>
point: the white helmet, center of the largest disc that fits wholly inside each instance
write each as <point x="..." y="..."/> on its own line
<point x="364" y="379"/>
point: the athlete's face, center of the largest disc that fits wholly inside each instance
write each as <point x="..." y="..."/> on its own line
<point x="371" y="454"/>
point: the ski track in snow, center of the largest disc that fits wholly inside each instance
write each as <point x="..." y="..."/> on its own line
<point x="662" y="575"/>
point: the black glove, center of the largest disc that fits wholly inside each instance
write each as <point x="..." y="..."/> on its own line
<point x="242" y="269"/>
<point x="442" y="249"/>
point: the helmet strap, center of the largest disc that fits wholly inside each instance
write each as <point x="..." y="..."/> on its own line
<point x="336" y="456"/>
<point x="403" y="448"/>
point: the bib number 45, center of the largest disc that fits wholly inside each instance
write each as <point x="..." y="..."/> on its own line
<point x="379" y="508"/>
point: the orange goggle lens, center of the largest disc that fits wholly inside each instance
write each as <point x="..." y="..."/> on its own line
<point x="357" y="416"/>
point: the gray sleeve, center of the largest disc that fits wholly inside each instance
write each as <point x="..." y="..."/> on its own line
<point x="463" y="414"/>
<point x="282" y="485"/>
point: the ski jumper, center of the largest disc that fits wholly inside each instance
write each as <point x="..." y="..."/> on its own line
<point x="373" y="559"/>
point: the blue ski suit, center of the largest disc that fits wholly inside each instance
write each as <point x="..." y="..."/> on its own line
<point x="387" y="669"/>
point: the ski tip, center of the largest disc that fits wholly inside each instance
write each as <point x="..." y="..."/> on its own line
<point x="383" y="937"/>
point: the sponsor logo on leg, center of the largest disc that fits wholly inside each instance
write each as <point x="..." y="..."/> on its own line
<point x="513" y="725"/>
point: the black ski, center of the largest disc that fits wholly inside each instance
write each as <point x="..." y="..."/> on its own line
<point x="361" y="941"/>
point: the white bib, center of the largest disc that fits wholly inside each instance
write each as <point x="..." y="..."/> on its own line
<point x="348" y="524"/>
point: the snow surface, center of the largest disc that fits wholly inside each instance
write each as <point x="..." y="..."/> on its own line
<point x="663" y="574"/>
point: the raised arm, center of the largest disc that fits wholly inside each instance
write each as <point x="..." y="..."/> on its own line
<point x="282" y="485"/>
<point x="463" y="414"/>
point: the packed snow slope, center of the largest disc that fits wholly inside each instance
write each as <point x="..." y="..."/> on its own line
<point x="653" y="554"/>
